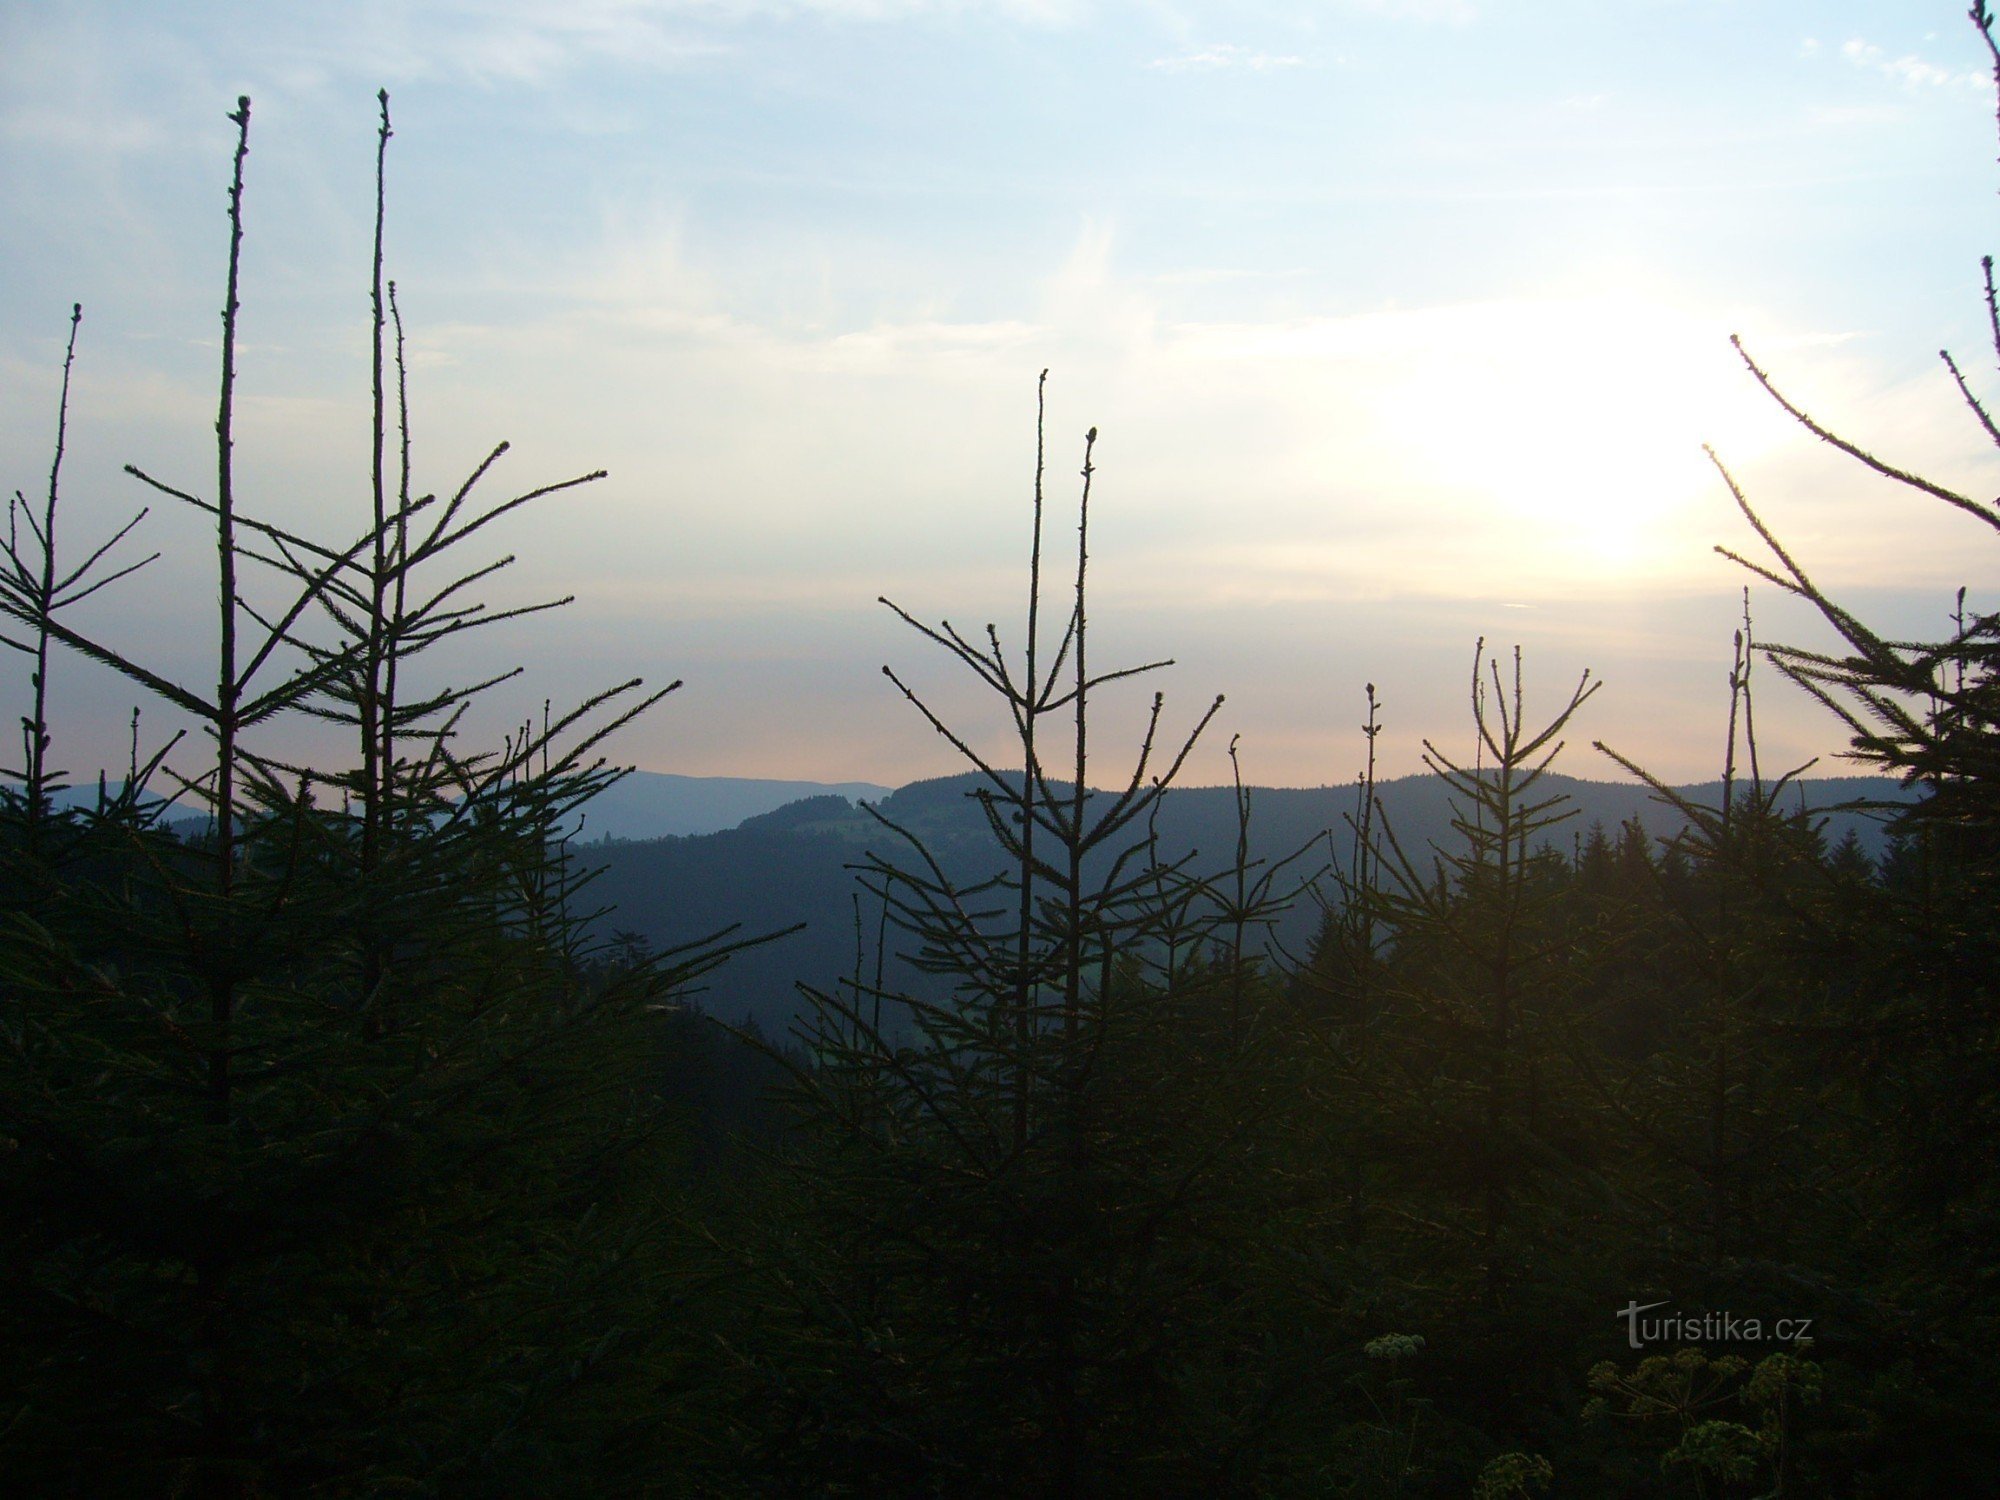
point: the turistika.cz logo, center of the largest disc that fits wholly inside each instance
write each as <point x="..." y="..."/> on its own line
<point x="1705" y="1328"/>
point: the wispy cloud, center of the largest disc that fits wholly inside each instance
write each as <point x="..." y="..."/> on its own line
<point x="1909" y="69"/>
<point x="74" y="130"/>
<point x="518" y="41"/>
<point x="1846" y="116"/>
<point x="1220" y="56"/>
<point x="536" y="43"/>
<point x="1219" y="275"/>
<point x="1419" y="10"/>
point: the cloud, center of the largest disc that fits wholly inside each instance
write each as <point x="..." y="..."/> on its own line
<point x="525" y="42"/>
<point x="1220" y="56"/>
<point x="1841" y="116"/>
<point x="73" y="130"/>
<point x="537" y="43"/>
<point x="1220" y="275"/>
<point x="1455" y="11"/>
<point x="532" y="41"/>
<point x="1909" y="69"/>
<point x="1394" y="480"/>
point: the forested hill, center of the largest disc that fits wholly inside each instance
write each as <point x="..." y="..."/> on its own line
<point x="792" y="865"/>
<point x="650" y="805"/>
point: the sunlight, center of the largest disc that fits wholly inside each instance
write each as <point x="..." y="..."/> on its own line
<point x="1574" y="429"/>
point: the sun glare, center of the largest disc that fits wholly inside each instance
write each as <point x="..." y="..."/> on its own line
<point x="1573" y="429"/>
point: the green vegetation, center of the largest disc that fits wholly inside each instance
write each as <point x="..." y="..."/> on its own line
<point x="346" y="1146"/>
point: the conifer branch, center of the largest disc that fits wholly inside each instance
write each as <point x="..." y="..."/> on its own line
<point x="1888" y="471"/>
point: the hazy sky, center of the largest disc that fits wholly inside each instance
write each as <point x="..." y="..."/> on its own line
<point x="1403" y="322"/>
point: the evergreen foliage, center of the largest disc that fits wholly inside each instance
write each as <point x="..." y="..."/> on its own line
<point x="346" y="1145"/>
<point x="333" y="1161"/>
<point x="1026" y="1266"/>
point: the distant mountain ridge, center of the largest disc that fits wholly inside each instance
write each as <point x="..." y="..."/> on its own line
<point x="793" y="863"/>
<point x="655" y="804"/>
<point x="640" y="805"/>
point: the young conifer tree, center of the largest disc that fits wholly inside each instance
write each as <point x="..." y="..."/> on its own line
<point x="37" y="582"/>
<point x="1901" y="1009"/>
<point x="1017" y="1275"/>
<point x="1458" y="1168"/>
<point x="1487" y="977"/>
<point x="328" y="1157"/>
<point x="1713" y="1107"/>
<point x="1926" y="710"/>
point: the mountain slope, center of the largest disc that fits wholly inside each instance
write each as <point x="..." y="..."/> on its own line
<point x="792" y="864"/>
<point x="651" y="804"/>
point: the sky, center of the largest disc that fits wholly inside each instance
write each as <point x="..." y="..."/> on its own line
<point x="1402" y="324"/>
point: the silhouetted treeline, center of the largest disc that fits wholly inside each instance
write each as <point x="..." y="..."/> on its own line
<point x="350" y="1145"/>
<point x="793" y="865"/>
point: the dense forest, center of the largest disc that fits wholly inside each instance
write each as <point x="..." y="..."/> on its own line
<point x="790" y="869"/>
<point x="350" y="1145"/>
